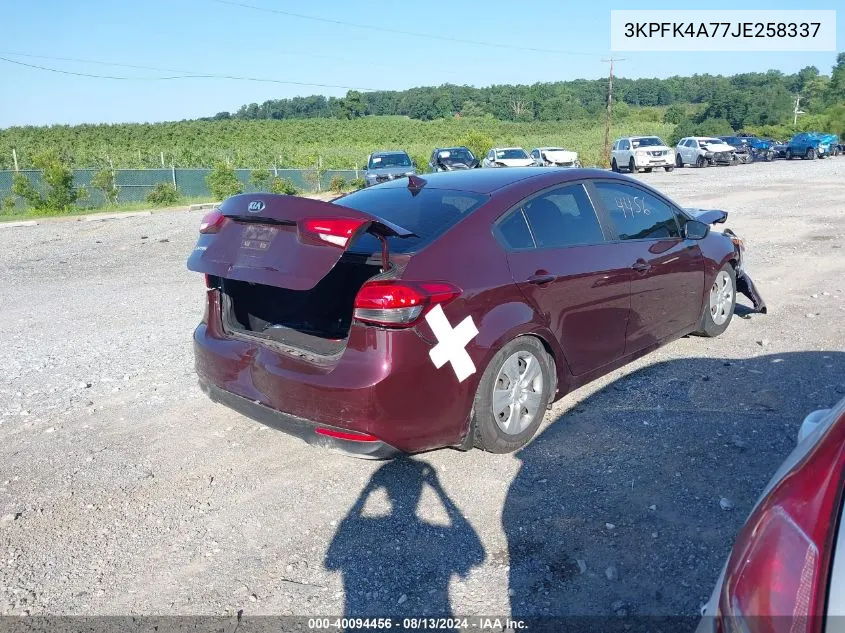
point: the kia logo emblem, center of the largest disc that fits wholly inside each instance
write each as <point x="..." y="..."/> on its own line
<point x="255" y="206"/>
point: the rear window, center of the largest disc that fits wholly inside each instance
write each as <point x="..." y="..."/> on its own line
<point x="429" y="214"/>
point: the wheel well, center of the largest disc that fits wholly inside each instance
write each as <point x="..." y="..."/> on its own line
<point x="553" y="357"/>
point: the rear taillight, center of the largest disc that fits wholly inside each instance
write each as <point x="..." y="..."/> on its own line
<point x="335" y="231"/>
<point x="212" y="221"/>
<point x="400" y="303"/>
<point x="776" y="579"/>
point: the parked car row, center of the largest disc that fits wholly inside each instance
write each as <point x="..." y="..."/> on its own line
<point x="630" y="153"/>
<point x="644" y="153"/>
<point x="384" y="166"/>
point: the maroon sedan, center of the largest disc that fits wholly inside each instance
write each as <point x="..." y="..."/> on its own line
<point x="451" y="310"/>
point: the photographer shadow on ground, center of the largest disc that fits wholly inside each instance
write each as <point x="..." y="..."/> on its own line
<point x="616" y="510"/>
<point x="394" y="563"/>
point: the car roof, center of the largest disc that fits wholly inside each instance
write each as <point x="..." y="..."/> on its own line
<point x="486" y="181"/>
<point x="522" y="148"/>
<point x="391" y="152"/>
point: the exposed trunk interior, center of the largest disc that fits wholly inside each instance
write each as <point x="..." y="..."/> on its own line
<point x="315" y="321"/>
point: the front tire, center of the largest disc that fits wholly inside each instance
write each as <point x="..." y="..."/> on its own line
<point x="668" y="168"/>
<point x="718" y="309"/>
<point x="679" y="162"/>
<point x="789" y="154"/>
<point x="701" y="162"/>
<point x="811" y="154"/>
<point x="512" y="396"/>
<point x="614" y="166"/>
<point x="632" y="166"/>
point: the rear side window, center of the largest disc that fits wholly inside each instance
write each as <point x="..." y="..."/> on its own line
<point x="563" y="217"/>
<point x="637" y="214"/>
<point x="429" y="213"/>
<point x="513" y="231"/>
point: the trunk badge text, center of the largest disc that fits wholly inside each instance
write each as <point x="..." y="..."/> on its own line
<point x="255" y="206"/>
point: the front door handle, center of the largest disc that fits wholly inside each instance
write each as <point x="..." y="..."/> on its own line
<point x="541" y="277"/>
<point x="641" y="266"/>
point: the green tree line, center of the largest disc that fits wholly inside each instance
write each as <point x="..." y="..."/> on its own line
<point x="338" y="133"/>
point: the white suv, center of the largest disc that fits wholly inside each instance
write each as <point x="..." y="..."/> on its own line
<point x="641" y="152"/>
<point x="702" y="151"/>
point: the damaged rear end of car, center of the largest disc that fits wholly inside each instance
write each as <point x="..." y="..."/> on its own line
<point x="309" y="325"/>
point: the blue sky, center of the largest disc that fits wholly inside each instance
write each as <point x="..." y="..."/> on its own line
<point x="210" y="37"/>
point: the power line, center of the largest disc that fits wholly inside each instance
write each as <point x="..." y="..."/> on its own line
<point x="402" y="32"/>
<point x="121" y="65"/>
<point x="183" y="76"/>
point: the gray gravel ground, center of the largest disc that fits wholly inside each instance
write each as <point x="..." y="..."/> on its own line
<point x="124" y="491"/>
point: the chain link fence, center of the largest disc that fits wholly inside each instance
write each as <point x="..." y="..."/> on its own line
<point x="134" y="185"/>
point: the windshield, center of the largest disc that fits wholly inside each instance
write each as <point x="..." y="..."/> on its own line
<point x="457" y="155"/>
<point x="553" y="149"/>
<point x="646" y="141"/>
<point x="428" y="213"/>
<point x="709" y="141"/>
<point x="380" y="161"/>
<point x="511" y="153"/>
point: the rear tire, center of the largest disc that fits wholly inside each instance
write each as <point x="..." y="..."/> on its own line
<point x="647" y="170"/>
<point x="668" y="168"/>
<point x="718" y="308"/>
<point x="512" y="396"/>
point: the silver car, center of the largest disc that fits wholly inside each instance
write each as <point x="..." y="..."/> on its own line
<point x="786" y="571"/>
<point x="384" y="166"/>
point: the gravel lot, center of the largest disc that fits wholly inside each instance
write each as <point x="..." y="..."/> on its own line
<point x="124" y="491"/>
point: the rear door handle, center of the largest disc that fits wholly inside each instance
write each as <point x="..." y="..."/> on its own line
<point x="541" y="278"/>
<point x="641" y="266"/>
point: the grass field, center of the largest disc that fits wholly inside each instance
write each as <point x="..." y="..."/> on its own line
<point x="339" y="144"/>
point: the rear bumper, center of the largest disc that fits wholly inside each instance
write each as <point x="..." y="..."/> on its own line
<point x="383" y="384"/>
<point x="299" y="427"/>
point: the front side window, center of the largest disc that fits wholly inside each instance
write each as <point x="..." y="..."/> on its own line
<point x="563" y="217"/>
<point x="636" y="214"/>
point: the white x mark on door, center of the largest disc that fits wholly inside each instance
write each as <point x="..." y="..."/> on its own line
<point x="451" y="342"/>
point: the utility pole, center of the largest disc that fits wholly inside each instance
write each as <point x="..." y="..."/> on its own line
<point x="796" y="111"/>
<point x="609" y="111"/>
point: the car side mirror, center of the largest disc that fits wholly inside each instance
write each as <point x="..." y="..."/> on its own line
<point x="695" y="230"/>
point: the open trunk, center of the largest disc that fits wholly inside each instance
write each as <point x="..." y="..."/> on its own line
<point x="283" y="268"/>
<point x="315" y="320"/>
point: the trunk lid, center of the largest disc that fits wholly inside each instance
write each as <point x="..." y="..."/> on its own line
<point x="283" y="241"/>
